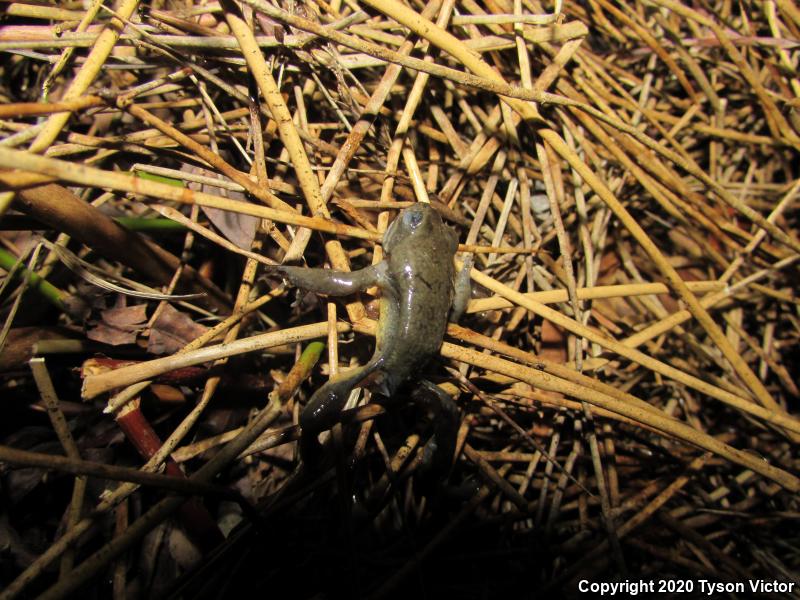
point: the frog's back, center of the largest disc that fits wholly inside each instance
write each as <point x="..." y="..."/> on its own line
<point x="423" y="272"/>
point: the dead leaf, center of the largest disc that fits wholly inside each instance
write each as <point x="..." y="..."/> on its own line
<point x="11" y="544"/>
<point x="21" y="482"/>
<point x="172" y="331"/>
<point x="236" y="227"/>
<point x="182" y="549"/>
<point x="119" y="325"/>
<point x="126" y="317"/>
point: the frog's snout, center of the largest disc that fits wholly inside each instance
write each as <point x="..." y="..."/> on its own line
<point x="413" y="218"/>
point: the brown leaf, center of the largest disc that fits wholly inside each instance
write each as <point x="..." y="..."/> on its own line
<point x="182" y="549"/>
<point x="119" y="325"/>
<point x="236" y="227"/>
<point x="111" y="335"/>
<point x="172" y="331"/>
<point x="12" y="545"/>
<point x="130" y="317"/>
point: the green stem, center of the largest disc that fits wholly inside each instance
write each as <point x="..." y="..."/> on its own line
<point x="46" y="289"/>
<point x="26" y="223"/>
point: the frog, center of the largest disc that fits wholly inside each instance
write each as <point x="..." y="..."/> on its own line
<point x="420" y="293"/>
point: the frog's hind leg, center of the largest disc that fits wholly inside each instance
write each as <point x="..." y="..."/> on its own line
<point x="325" y="407"/>
<point x="438" y="454"/>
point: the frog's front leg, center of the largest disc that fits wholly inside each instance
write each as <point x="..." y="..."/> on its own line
<point x="334" y="283"/>
<point x="463" y="290"/>
<point x="325" y="406"/>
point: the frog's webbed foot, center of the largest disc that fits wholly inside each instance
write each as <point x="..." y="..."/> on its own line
<point x="463" y="290"/>
<point x="438" y="453"/>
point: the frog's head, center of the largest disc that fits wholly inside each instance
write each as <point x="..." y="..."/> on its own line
<point x="417" y="221"/>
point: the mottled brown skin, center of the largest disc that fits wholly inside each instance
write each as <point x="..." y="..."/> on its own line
<point x="417" y="280"/>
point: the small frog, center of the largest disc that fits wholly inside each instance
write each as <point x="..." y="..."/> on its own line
<point x="419" y="293"/>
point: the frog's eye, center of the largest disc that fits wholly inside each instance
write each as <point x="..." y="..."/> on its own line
<point x="412" y="219"/>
